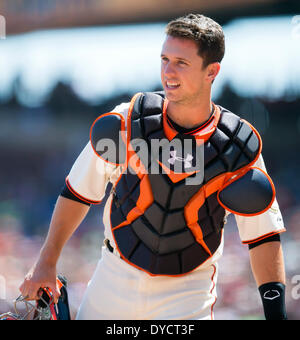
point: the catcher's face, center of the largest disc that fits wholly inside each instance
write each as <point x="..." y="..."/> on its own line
<point x="183" y="76"/>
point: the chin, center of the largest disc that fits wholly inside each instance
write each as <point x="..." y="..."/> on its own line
<point x="172" y="97"/>
<point x="175" y="99"/>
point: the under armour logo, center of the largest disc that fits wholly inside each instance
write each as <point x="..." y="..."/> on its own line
<point x="187" y="161"/>
<point x="271" y="294"/>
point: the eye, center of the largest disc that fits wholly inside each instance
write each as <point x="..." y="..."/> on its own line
<point x="164" y="59"/>
<point x="182" y="63"/>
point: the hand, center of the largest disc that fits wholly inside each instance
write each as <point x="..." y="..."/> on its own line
<point x="40" y="275"/>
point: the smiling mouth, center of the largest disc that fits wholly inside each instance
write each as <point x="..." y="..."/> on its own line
<point x="172" y="85"/>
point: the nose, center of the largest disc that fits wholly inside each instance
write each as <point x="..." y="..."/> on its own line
<point x="168" y="70"/>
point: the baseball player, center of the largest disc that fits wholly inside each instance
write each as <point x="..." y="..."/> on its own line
<point x="178" y="164"/>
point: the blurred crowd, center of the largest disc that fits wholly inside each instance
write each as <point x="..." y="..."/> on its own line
<point x="38" y="148"/>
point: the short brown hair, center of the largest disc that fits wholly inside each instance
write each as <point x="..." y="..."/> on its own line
<point x="207" y="33"/>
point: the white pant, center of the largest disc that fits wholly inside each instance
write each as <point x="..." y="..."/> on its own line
<point x="119" y="291"/>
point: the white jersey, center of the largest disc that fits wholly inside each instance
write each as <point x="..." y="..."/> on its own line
<point x="160" y="297"/>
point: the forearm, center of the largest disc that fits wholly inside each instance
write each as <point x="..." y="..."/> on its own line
<point x="267" y="263"/>
<point x="268" y="269"/>
<point x="66" y="218"/>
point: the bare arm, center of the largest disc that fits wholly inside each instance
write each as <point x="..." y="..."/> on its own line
<point x="66" y="218"/>
<point x="268" y="269"/>
<point x="267" y="263"/>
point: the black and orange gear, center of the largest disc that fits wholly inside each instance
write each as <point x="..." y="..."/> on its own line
<point x="161" y="223"/>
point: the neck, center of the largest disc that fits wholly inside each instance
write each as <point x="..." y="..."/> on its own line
<point x="190" y="115"/>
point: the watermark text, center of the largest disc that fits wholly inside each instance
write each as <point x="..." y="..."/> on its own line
<point x="296" y="289"/>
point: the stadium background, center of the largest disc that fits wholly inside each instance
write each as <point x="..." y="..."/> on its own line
<point x="62" y="63"/>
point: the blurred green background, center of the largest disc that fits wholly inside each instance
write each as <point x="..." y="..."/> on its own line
<point x="63" y="63"/>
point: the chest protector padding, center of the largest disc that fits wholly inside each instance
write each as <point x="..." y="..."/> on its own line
<point x="155" y="236"/>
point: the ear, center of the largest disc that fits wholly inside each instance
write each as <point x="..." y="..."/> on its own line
<point x="212" y="71"/>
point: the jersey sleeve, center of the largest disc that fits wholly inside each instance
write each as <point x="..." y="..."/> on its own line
<point x="255" y="228"/>
<point x="89" y="175"/>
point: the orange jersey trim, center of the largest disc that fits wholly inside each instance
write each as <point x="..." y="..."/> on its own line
<point x="213" y="287"/>
<point x="201" y="134"/>
<point x="264" y="236"/>
<point x="84" y="199"/>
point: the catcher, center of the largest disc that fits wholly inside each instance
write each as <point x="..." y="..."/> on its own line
<point x="178" y="164"/>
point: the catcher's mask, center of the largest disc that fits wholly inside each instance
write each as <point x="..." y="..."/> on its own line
<point x="44" y="308"/>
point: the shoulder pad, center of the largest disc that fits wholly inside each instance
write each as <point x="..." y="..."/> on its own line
<point x="248" y="194"/>
<point x="249" y="140"/>
<point x="107" y="137"/>
<point x="147" y="104"/>
<point x="244" y="136"/>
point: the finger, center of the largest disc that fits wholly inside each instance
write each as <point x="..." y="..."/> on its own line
<point x="24" y="289"/>
<point x="33" y="291"/>
<point x="25" y="286"/>
<point x="54" y="291"/>
<point x="40" y="292"/>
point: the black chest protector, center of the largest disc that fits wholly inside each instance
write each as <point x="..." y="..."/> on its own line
<point x="167" y="211"/>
